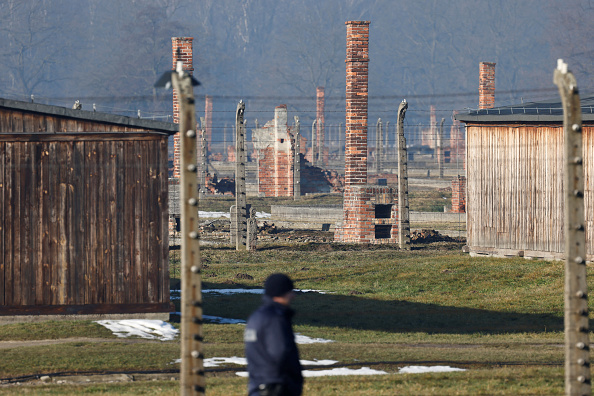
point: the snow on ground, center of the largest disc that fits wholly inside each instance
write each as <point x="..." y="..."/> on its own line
<point x="301" y="339"/>
<point x="204" y="215"/>
<point x="176" y="294"/>
<point x="334" y="371"/>
<point x="220" y="320"/>
<point x="427" y="369"/>
<point x="217" y="361"/>
<point x="144" y="328"/>
<point x="369" y="371"/>
<point x="233" y="291"/>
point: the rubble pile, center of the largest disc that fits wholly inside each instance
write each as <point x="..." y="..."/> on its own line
<point x="426" y="236"/>
<point x="218" y="231"/>
<point x="223" y="186"/>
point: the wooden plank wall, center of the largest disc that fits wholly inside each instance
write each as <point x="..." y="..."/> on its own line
<point x="83" y="221"/>
<point x="20" y="121"/>
<point x="515" y="187"/>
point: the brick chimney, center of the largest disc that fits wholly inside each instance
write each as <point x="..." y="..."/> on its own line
<point x="320" y="125"/>
<point x="486" y="85"/>
<point x="184" y="44"/>
<point x="459" y="195"/>
<point x="369" y="211"/>
<point x="357" y="59"/>
<point x="208" y="121"/>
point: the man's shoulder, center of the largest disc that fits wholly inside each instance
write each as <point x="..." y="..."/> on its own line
<point x="265" y="312"/>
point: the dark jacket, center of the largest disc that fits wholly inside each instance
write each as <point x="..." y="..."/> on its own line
<point x="270" y="349"/>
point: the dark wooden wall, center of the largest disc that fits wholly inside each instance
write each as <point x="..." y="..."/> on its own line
<point x="515" y="189"/>
<point x="83" y="219"/>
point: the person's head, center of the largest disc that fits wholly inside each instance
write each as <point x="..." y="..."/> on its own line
<point x="280" y="288"/>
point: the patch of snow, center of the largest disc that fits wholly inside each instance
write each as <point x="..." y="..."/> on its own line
<point x="318" y="362"/>
<point x="233" y="291"/>
<point x="144" y="328"/>
<point x="241" y="291"/>
<point x="332" y="372"/>
<point x="427" y="369"/>
<point x="301" y="339"/>
<point x="218" y="319"/>
<point x="217" y="361"/>
<point x="204" y="215"/>
<point x="342" y="371"/>
<point x="311" y="291"/>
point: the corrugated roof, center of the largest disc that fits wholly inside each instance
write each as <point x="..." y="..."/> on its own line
<point x="132" y="122"/>
<point x="545" y="111"/>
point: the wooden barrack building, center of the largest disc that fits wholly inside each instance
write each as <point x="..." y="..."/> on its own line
<point x="514" y="166"/>
<point x="83" y="212"/>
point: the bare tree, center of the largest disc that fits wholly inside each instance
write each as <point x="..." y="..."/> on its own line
<point x="32" y="45"/>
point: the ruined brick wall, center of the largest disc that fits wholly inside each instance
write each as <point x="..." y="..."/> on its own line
<point x="274" y="145"/>
<point x="486" y="85"/>
<point x="364" y="222"/>
<point x="184" y="44"/>
<point x="459" y="195"/>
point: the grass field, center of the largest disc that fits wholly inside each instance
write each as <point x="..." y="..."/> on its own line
<point x="501" y="319"/>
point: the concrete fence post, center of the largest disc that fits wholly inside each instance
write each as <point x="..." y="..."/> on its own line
<point x="297" y="161"/>
<point x="378" y="146"/>
<point x="577" y="343"/>
<point x="403" y="208"/>
<point x="440" y="148"/>
<point x="387" y="141"/>
<point x="240" y="192"/>
<point x="313" y="143"/>
<point x="192" y="381"/>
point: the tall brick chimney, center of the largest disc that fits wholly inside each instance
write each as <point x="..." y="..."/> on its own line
<point x="184" y="44"/>
<point x="320" y="125"/>
<point x="357" y="59"/>
<point x="369" y="211"/>
<point x="208" y="120"/>
<point x="486" y="85"/>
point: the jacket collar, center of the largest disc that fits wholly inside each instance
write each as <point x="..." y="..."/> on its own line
<point x="287" y="311"/>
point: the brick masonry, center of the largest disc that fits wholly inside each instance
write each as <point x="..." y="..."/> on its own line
<point x="486" y="85"/>
<point x="357" y="59"/>
<point x="459" y="195"/>
<point x="184" y="44"/>
<point x="208" y="121"/>
<point x="361" y="222"/>
<point x="274" y="145"/>
<point x="320" y="126"/>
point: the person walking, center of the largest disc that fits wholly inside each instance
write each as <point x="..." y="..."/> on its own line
<point x="272" y="355"/>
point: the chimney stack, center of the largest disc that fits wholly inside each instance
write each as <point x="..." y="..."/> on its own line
<point x="357" y="59"/>
<point x="184" y="44"/>
<point x="320" y="104"/>
<point x="486" y="85"/>
<point x="208" y="121"/>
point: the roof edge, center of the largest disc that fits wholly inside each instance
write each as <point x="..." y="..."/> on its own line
<point x="161" y="126"/>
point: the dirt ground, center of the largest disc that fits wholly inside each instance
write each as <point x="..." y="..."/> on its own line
<point x="217" y="231"/>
